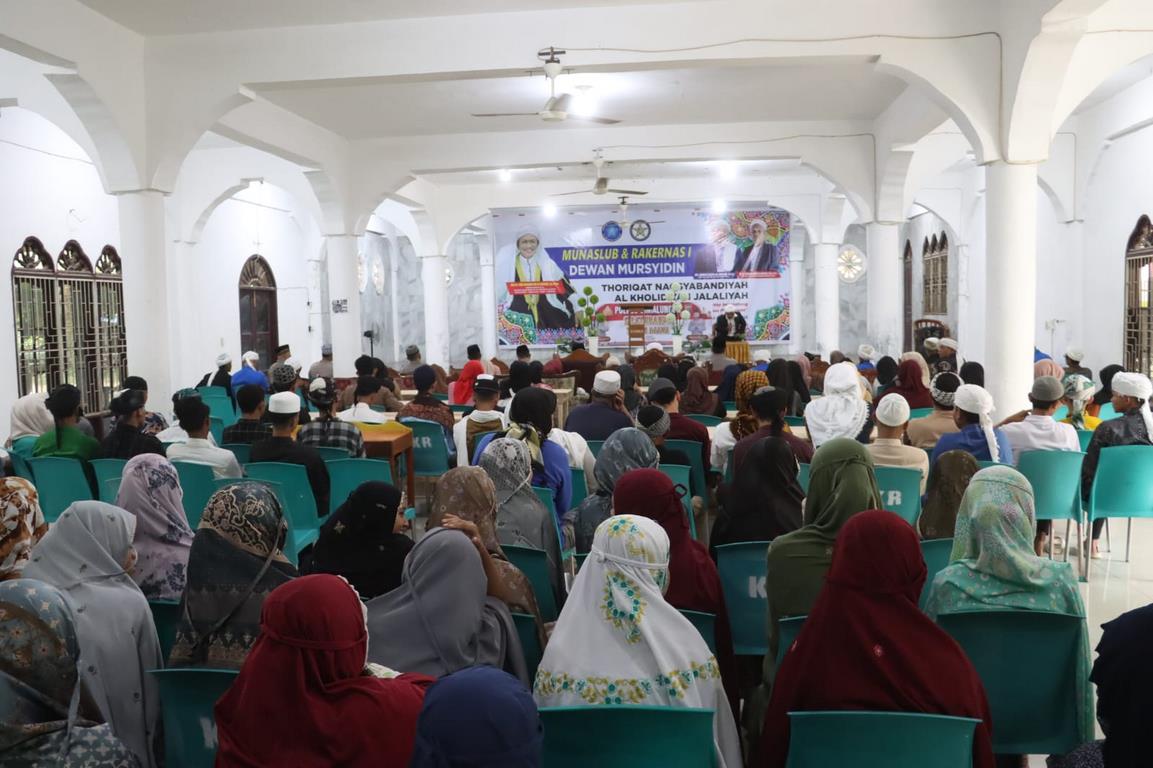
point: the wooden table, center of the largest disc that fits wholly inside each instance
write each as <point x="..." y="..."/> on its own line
<point x="388" y="444"/>
<point x="563" y="405"/>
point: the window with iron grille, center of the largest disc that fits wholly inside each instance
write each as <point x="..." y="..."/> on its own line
<point x="1138" y="314"/>
<point x="69" y="321"/>
<point x="935" y="275"/>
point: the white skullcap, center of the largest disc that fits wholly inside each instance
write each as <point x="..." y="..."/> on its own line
<point x="655" y="345"/>
<point x="947" y="342"/>
<point x="730" y="308"/>
<point x="250" y="357"/>
<point x="613" y="362"/>
<point x="223" y="359"/>
<point x="762" y="356"/>
<point x="1076" y="354"/>
<point x="866" y="352"/>
<point x="1138" y="386"/>
<point x="932" y="342"/>
<point x="284" y="402"/>
<point x="973" y="399"/>
<point x="295" y="364"/>
<point x="607" y="383"/>
<point x="893" y="410"/>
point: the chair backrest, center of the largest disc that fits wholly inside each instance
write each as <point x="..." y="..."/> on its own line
<point x="187" y="697"/>
<point x="1121" y="487"/>
<point x="730" y="405"/>
<point x="216" y="427"/>
<point x="1027" y="661"/>
<point x="900" y="491"/>
<point x="1056" y="480"/>
<point x="295" y="496"/>
<point x="936" y="553"/>
<point x="742" y="568"/>
<point x="198" y="483"/>
<point x="534" y="564"/>
<point x="20" y="466"/>
<point x="346" y="475"/>
<point x="787" y="631"/>
<point x="680" y="475"/>
<point x="803" y="472"/>
<point x="671" y="737"/>
<point x="529" y="641"/>
<point x="1107" y="412"/>
<point x="795" y="421"/>
<point x="546" y="497"/>
<point x="220" y="406"/>
<point x="242" y="451"/>
<point x="920" y="413"/>
<point x="108" y="469"/>
<point x="879" y="740"/>
<point x="110" y="489"/>
<point x="331" y="454"/>
<point x="165" y="615"/>
<point x="460" y="408"/>
<point x="706" y="624"/>
<point x="1084" y="436"/>
<point x="706" y="419"/>
<point x="692" y="449"/>
<point x="985" y="463"/>
<point x="580" y="487"/>
<point x="429" y="448"/>
<point x="595" y="446"/>
<point x="1061" y="413"/>
<point x="23" y="447"/>
<point x="212" y="392"/>
<point x="59" y="481"/>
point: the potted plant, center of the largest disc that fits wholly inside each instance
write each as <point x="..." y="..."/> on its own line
<point x="590" y="318"/>
<point x="678" y="315"/>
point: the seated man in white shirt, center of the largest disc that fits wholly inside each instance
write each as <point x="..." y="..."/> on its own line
<point x="1037" y="430"/>
<point x="368" y="393"/>
<point x="482" y="419"/>
<point x="889" y="449"/>
<point x="194" y="419"/>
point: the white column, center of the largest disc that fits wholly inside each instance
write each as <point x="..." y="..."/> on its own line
<point x="797" y="300"/>
<point x="343" y="303"/>
<point x="1010" y="283"/>
<point x="487" y="298"/>
<point x="827" y="299"/>
<point x="436" y="338"/>
<point x="147" y="311"/>
<point x="884" y="288"/>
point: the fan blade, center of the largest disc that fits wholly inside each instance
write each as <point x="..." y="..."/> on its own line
<point x="506" y="114"/>
<point x="577" y="192"/>
<point x="600" y="120"/>
<point x="629" y="192"/>
<point x="559" y="103"/>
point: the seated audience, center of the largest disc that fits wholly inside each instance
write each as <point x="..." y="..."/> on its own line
<point x="729" y="433"/>
<point x="175" y="433"/>
<point x="761" y="360"/>
<point x="221" y="377"/>
<point x="536" y="374"/>
<point x="30" y="419"/>
<point x="841" y="411"/>
<point x="249" y="373"/>
<point x="485" y="417"/>
<point x="618" y="626"/>
<point x="887" y="369"/>
<point x="927" y="430"/>
<point x="972" y="373"/>
<point x="805" y="380"/>
<point x="1073" y="367"/>
<point x="580" y="456"/>
<point x="412" y="360"/>
<point x="458" y="729"/>
<point x="889" y="449"/>
<point x="719" y="361"/>
<point x="372" y="368"/>
<point x="250" y="427"/>
<point x="765" y="499"/>
<point x="440" y="388"/>
<point x="971" y="408"/>
<point x="909" y="385"/>
<point x="927" y="372"/>
<point x="87" y="554"/>
<point x="154" y="423"/>
<point x="39" y="663"/>
<point x="21" y="525"/>
<point x="769" y="406"/>
<point x="150" y="491"/>
<point x="426" y="407"/>
<point x="369" y="392"/>
<point x="449" y="611"/>
<point x="625" y="450"/>
<point x="727" y="389"/>
<point x="604" y="413"/>
<point x="523" y="353"/>
<point x="282" y="377"/>
<point x="697" y="398"/>
<point x="948" y="478"/>
<point x="1105" y="391"/>
<point x="664" y="393"/>
<point x="632" y="393"/>
<point x="326" y="430"/>
<point x="235" y="562"/>
<point x="195" y="420"/>
<point x="284" y="409"/>
<point x="946" y="356"/>
<point x="65" y="439"/>
<point x="1048" y="368"/>
<point x="305" y="676"/>
<point x="126" y="439"/>
<point x="654" y="422"/>
<point x="364" y="540"/>
<point x="519" y="377"/>
<point x="462" y="388"/>
<point x="781" y="377"/>
<point x="1079" y="392"/>
<point x="866" y="645"/>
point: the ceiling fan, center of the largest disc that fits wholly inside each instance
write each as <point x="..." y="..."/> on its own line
<point x="601" y="185"/>
<point x="557" y="108"/>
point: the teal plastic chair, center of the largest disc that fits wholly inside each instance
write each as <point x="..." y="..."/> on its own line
<point x="331" y="454"/>
<point x="20" y="466"/>
<point x="742" y="568"/>
<point x="803" y="471"/>
<point x="985" y="464"/>
<point x="919" y="413"/>
<point x="595" y="446"/>
<point x="429" y="448"/>
<point x="107" y="469"/>
<point x="787" y="631"/>
<point x="1061" y="413"/>
<point x="900" y="491"/>
<point x="1084" y="435"/>
<point x="1107" y="412"/>
<point x="692" y="449"/>
<point x="187" y="697"/>
<point x="795" y="421"/>
<point x="706" y="624"/>
<point x="198" y="483"/>
<point x="1027" y="661"/>
<point x="221" y="407"/>
<point x="533" y="563"/>
<point x="242" y="451"/>
<point x="880" y="740"/>
<point x="441" y="396"/>
<point x="295" y="497"/>
<point x="23" y="446"/>
<point x="346" y="475"/>
<point x="216" y="427"/>
<point x="460" y="408"/>
<point x="546" y="497"/>
<point x="110" y="489"/>
<point x="680" y="475"/>
<point x="706" y="419"/>
<point x="580" y="487"/>
<point x="59" y="482"/>
<point x="1056" y="480"/>
<point x="212" y="392"/>
<point x="577" y="737"/>
<point x="1121" y="487"/>
<point x="529" y="641"/>
<point x="937" y="553"/>
<point x="165" y="615"/>
<point x="730" y="405"/>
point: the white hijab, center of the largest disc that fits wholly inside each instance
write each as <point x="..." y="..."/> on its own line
<point x="841" y="411"/>
<point x="616" y="628"/>
<point x="30" y="417"/>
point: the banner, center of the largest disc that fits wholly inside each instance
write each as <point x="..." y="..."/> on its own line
<point x="545" y="265"/>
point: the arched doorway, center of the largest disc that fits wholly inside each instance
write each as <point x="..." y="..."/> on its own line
<point x="258" y="325"/>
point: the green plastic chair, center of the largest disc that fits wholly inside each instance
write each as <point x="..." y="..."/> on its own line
<point x="937" y="553"/>
<point x="346" y="475"/>
<point x="221" y="408"/>
<point x="242" y="451"/>
<point x="580" y="487"/>
<point x="331" y="454"/>
<point x="1056" y="480"/>
<point x="20" y="466"/>
<point x="198" y="483"/>
<point x="879" y="740"/>
<point x="533" y="563"/>
<point x="730" y="405"/>
<point x="1121" y="488"/>
<point x="795" y="421"/>
<point x="692" y="449"/>
<point x="1084" y="435"/>
<point x="110" y="489"/>
<point x="212" y="392"/>
<point x="668" y="737"/>
<point x="706" y="624"/>
<point x="107" y="469"/>
<point x="919" y="413"/>
<point x="165" y="615"/>
<point x="22" y="446"/>
<point x="187" y="697"/>
<point x="900" y="491"/>
<point x="296" y="498"/>
<point x="529" y="641"/>
<point x="59" y="482"/>
<point x="429" y="448"/>
<point x="742" y="568"/>
<point x="706" y="419"/>
<point x="787" y="631"/>
<point x="595" y="446"/>
<point x="1027" y="661"/>
<point x="1107" y="412"/>
<point x="680" y="475"/>
<point x="461" y="408"/>
<point x="216" y="427"/>
<point x="803" y="471"/>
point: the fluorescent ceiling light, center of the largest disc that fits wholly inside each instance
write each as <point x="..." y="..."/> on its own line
<point x="727" y="170"/>
<point x="719" y="206"/>
<point x="583" y="103"/>
<point x="505" y="174"/>
<point x="549" y="210"/>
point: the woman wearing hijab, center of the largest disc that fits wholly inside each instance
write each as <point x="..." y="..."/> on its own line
<point x="729" y="433"/>
<point x="364" y="540"/>
<point x="625" y="450"/>
<point x="866" y="646"/>
<point x="780" y="378"/>
<point x="449" y="611"/>
<point x="948" y="479"/>
<point x="618" y="641"/>
<point x="462" y="390"/>
<point x="629" y="388"/>
<point x="21" y="525"/>
<point x="87" y="555"/>
<point x="973" y="373"/>
<point x="304" y="696"/>
<point x="1105" y="393"/>
<point x="697" y="398"/>
<point x="842" y="411"/>
<point x="693" y="583"/>
<point x="468" y="494"/>
<point x="727" y="389"/>
<point x="30" y="419"/>
<point x="886" y="372"/>
<point x="909" y="385"/>
<point x="150" y="490"/>
<point x="521" y="519"/>
<point x="995" y="568"/>
<point x="765" y="500"/>
<point x="921" y="363"/>
<point x="1078" y="396"/>
<point x="456" y="729"/>
<point x="1048" y="368"/>
<point x="234" y="564"/>
<point x="39" y="681"/>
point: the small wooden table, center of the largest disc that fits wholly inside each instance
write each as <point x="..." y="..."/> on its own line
<point x="738" y="350"/>
<point x="380" y="444"/>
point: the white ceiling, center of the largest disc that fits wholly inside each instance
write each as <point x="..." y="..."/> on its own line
<point x="629" y="172"/>
<point x="842" y="89"/>
<point x="1118" y="82"/>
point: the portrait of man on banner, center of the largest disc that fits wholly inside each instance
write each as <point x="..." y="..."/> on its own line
<point x="533" y="288"/>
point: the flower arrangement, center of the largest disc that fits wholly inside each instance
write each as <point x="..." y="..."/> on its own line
<point x="589" y="316"/>
<point x="678" y="314"/>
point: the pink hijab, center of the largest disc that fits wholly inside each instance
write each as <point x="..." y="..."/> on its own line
<point x="1048" y="368"/>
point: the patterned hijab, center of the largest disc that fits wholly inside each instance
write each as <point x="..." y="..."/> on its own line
<point x="150" y="490"/>
<point x="21" y="525"/>
<point x="948" y="478"/>
<point x="625" y="449"/>
<point x="748" y="382"/>
<point x="842" y="411"/>
<point x="1078" y="394"/>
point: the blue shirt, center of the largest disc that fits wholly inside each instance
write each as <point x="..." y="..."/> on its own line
<point x="557" y="476"/>
<point x="596" y="421"/>
<point x="971" y="439"/>
<point x="248" y="375"/>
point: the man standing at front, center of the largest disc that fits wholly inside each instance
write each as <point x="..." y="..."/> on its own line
<point x="730" y="326"/>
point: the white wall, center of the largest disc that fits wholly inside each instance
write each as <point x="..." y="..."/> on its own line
<point x="1058" y="323"/>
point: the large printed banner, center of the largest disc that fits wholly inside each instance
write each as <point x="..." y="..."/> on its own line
<point x="544" y="264"/>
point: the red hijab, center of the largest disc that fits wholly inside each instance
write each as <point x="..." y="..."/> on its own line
<point x="462" y="392"/>
<point x="301" y="698"/>
<point x="867" y="646"/>
<point x="910" y="384"/>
